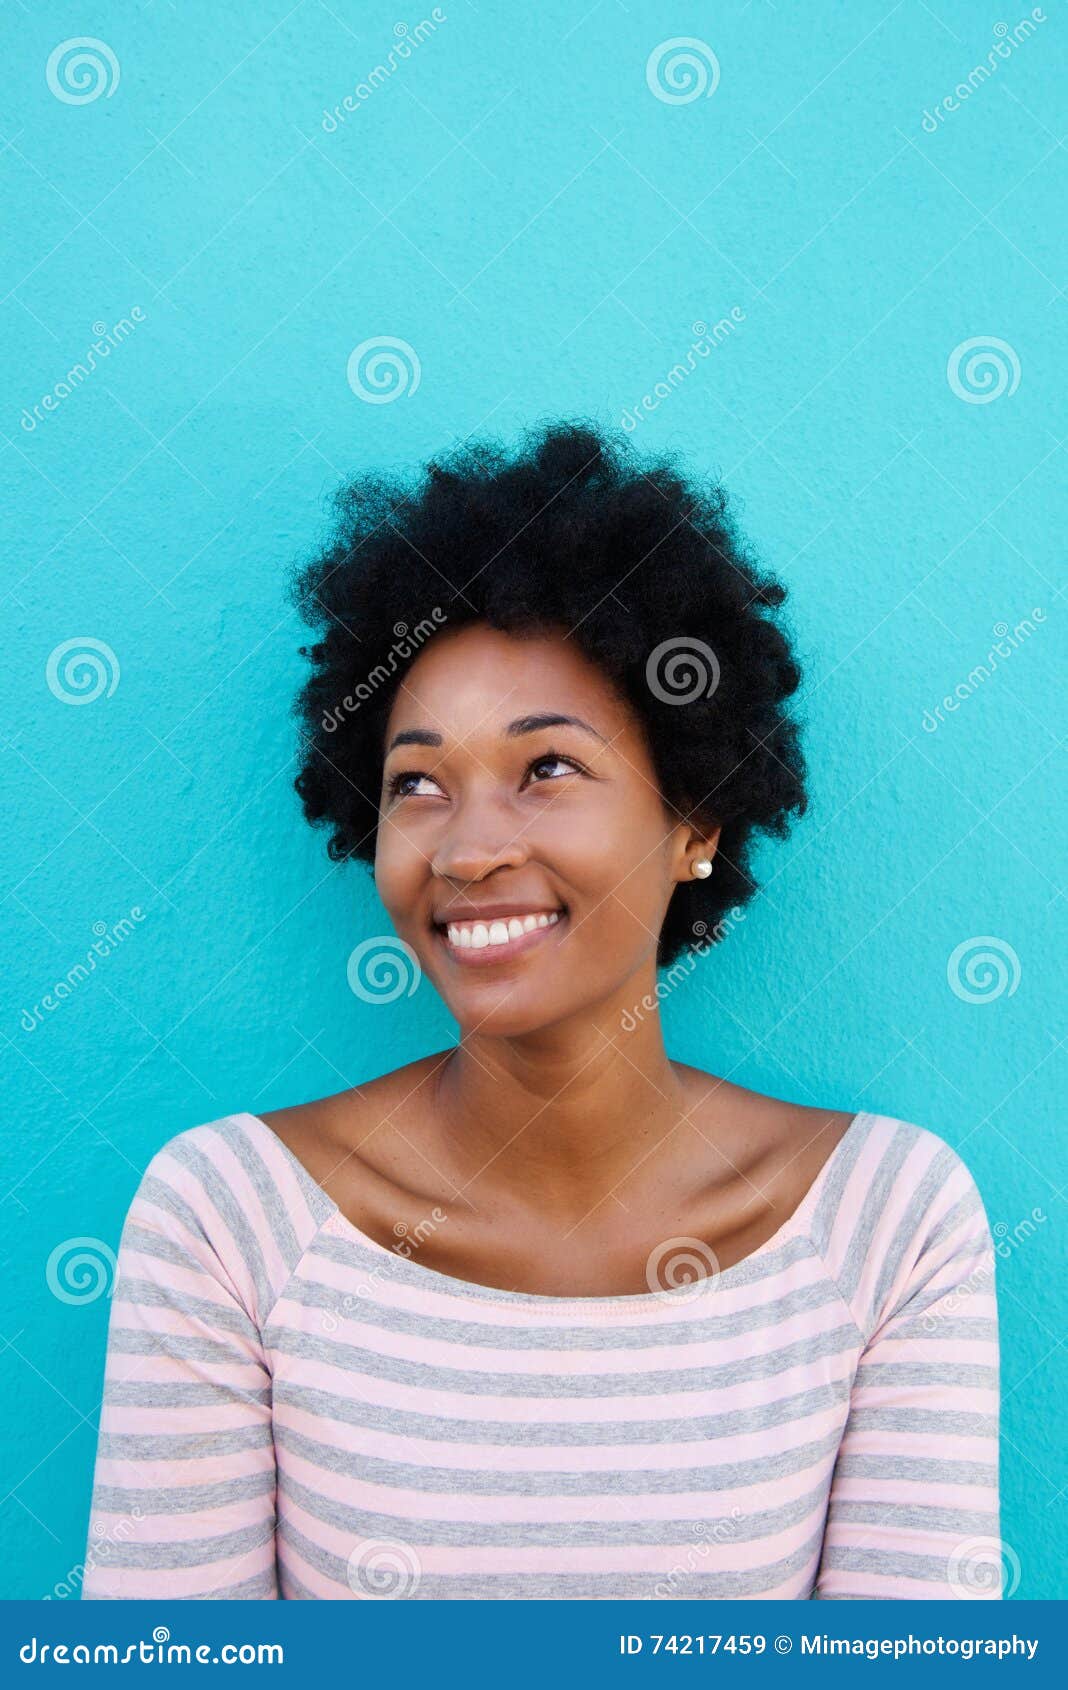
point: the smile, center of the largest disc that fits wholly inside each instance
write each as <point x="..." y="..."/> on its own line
<point x="481" y="942"/>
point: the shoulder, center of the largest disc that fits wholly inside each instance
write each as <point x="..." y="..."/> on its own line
<point x="231" y="1194"/>
<point x="895" y="1202"/>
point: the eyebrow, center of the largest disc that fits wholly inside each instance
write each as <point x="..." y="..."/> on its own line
<point x="521" y="725"/>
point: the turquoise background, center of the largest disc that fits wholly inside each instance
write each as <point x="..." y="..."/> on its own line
<point x="518" y="205"/>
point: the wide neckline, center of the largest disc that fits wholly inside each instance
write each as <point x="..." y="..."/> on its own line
<point x="414" y="1273"/>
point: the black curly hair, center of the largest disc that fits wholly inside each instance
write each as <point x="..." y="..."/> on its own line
<point x="569" y="534"/>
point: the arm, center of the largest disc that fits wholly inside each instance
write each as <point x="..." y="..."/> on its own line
<point x="914" y="1500"/>
<point x="184" y="1493"/>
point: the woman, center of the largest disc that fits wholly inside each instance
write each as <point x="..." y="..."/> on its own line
<point x="550" y="1314"/>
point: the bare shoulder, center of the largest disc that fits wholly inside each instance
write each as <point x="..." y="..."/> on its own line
<point x="782" y="1146"/>
<point x="357" y="1127"/>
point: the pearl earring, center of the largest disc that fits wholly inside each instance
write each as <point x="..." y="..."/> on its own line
<point x="702" y="868"/>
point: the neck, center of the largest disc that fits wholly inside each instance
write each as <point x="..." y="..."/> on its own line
<point x="562" y="1115"/>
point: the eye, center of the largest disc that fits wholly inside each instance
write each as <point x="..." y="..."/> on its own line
<point x="555" y="757"/>
<point x="397" y="782"/>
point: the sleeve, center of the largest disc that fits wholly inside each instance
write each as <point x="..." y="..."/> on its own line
<point x="184" y="1489"/>
<point x="913" y="1507"/>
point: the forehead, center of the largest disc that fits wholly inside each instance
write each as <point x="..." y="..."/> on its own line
<point x="477" y="679"/>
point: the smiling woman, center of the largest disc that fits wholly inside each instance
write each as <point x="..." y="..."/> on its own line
<point x="549" y="1314"/>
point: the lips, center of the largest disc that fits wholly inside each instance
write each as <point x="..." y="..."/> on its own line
<point x="496" y="938"/>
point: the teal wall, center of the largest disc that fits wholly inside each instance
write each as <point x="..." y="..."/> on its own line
<point x="518" y="202"/>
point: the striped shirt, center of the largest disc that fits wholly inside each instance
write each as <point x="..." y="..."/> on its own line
<point x="294" y="1410"/>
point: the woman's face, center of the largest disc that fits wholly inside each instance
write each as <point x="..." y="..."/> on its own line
<point x="486" y="813"/>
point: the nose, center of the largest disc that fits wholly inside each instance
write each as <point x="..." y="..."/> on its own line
<point x="476" y="842"/>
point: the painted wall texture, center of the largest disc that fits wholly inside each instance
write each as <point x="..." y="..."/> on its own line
<point x="265" y="244"/>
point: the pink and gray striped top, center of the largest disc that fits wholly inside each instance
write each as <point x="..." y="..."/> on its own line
<point x="294" y="1410"/>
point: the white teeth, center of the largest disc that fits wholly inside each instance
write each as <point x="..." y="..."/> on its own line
<point x="476" y="935"/>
